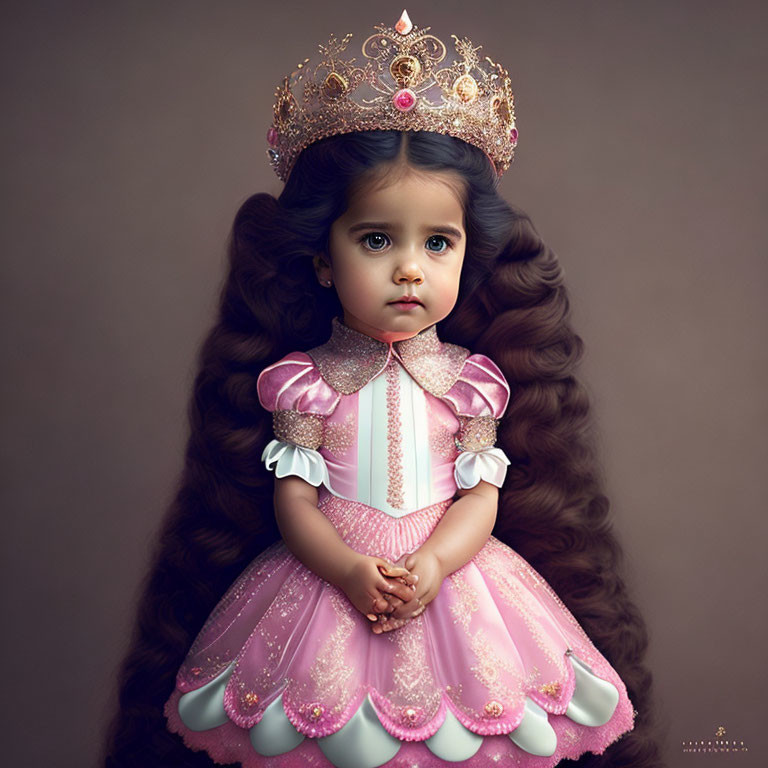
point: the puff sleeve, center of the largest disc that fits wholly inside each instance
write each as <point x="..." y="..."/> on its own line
<point x="299" y="400"/>
<point x="479" y="398"/>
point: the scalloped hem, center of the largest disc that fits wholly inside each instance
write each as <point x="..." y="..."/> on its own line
<point x="228" y="743"/>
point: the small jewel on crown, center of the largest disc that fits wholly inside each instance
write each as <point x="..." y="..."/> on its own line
<point x="335" y="86"/>
<point x="404" y="99"/>
<point x="404" y="24"/>
<point x="466" y="88"/>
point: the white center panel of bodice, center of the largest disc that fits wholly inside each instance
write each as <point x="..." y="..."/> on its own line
<point x="394" y="472"/>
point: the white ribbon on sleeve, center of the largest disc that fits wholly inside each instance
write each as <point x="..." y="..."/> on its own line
<point x="489" y="464"/>
<point x="290" y="459"/>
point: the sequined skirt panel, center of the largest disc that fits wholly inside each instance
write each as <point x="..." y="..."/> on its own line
<point x="495" y="635"/>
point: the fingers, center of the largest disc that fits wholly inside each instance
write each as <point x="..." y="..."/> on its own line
<point x="387" y="624"/>
<point x="409" y="610"/>
<point x="411" y="579"/>
<point x="394" y="602"/>
<point x="397" y="570"/>
<point x="395" y="588"/>
<point x="393" y="571"/>
<point x="381" y="605"/>
<point x="419" y="610"/>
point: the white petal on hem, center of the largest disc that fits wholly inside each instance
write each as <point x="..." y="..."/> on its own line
<point x="594" y="699"/>
<point x="452" y="741"/>
<point x="203" y="708"/>
<point x="534" y="734"/>
<point x="362" y="742"/>
<point x="275" y="734"/>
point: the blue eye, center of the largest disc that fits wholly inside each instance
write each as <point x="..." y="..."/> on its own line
<point x="373" y="240"/>
<point x="440" y="238"/>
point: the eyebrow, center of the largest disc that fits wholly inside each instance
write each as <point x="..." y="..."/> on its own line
<point x="443" y="228"/>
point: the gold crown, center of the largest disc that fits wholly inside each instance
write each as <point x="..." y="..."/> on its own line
<point x="408" y="80"/>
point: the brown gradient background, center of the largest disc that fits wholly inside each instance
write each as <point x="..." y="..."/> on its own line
<point x="131" y="133"/>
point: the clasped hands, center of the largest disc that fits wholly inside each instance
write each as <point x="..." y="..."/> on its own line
<point x="391" y="594"/>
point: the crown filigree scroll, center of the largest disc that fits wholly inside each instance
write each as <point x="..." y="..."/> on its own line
<point x="404" y="78"/>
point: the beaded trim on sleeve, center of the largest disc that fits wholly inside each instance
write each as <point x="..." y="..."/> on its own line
<point x="476" y="432"/>
<point x="304" y="429"/>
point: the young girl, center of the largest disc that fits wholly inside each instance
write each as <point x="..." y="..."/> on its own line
<point x="391" y="374"/>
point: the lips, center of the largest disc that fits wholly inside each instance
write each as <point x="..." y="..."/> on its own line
<point x="407" y="300"/>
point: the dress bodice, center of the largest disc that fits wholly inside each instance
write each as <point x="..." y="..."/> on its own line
<point x="397" y="426"/>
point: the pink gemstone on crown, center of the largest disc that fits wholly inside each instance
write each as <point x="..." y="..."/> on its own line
<point x="272" y="136"/>
<point x="513" y="135"/>
<point x="404" y="99"/>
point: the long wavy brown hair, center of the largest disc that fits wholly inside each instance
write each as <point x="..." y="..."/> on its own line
<point x="512" y="306"/>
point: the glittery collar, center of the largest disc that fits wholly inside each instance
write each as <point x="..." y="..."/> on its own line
<point x="350" y="359"/>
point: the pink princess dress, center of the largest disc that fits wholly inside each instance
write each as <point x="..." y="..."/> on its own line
<point x="496" y="671"/>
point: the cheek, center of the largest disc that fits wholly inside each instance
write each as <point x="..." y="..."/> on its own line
<point x="359" y="279"/>
<point x="356" y="288"/>
<point x="450" y="284"/>
<point x="449" y="296"/>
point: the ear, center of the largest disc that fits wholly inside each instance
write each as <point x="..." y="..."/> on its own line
<point x="323" y="269"/>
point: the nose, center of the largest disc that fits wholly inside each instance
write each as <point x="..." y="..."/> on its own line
<point x="408" y="270"/>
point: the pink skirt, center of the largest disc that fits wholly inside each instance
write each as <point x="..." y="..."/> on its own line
<point x="287" y="673"/>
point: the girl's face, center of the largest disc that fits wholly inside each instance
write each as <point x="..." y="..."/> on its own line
<point x="401" y="237"/>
